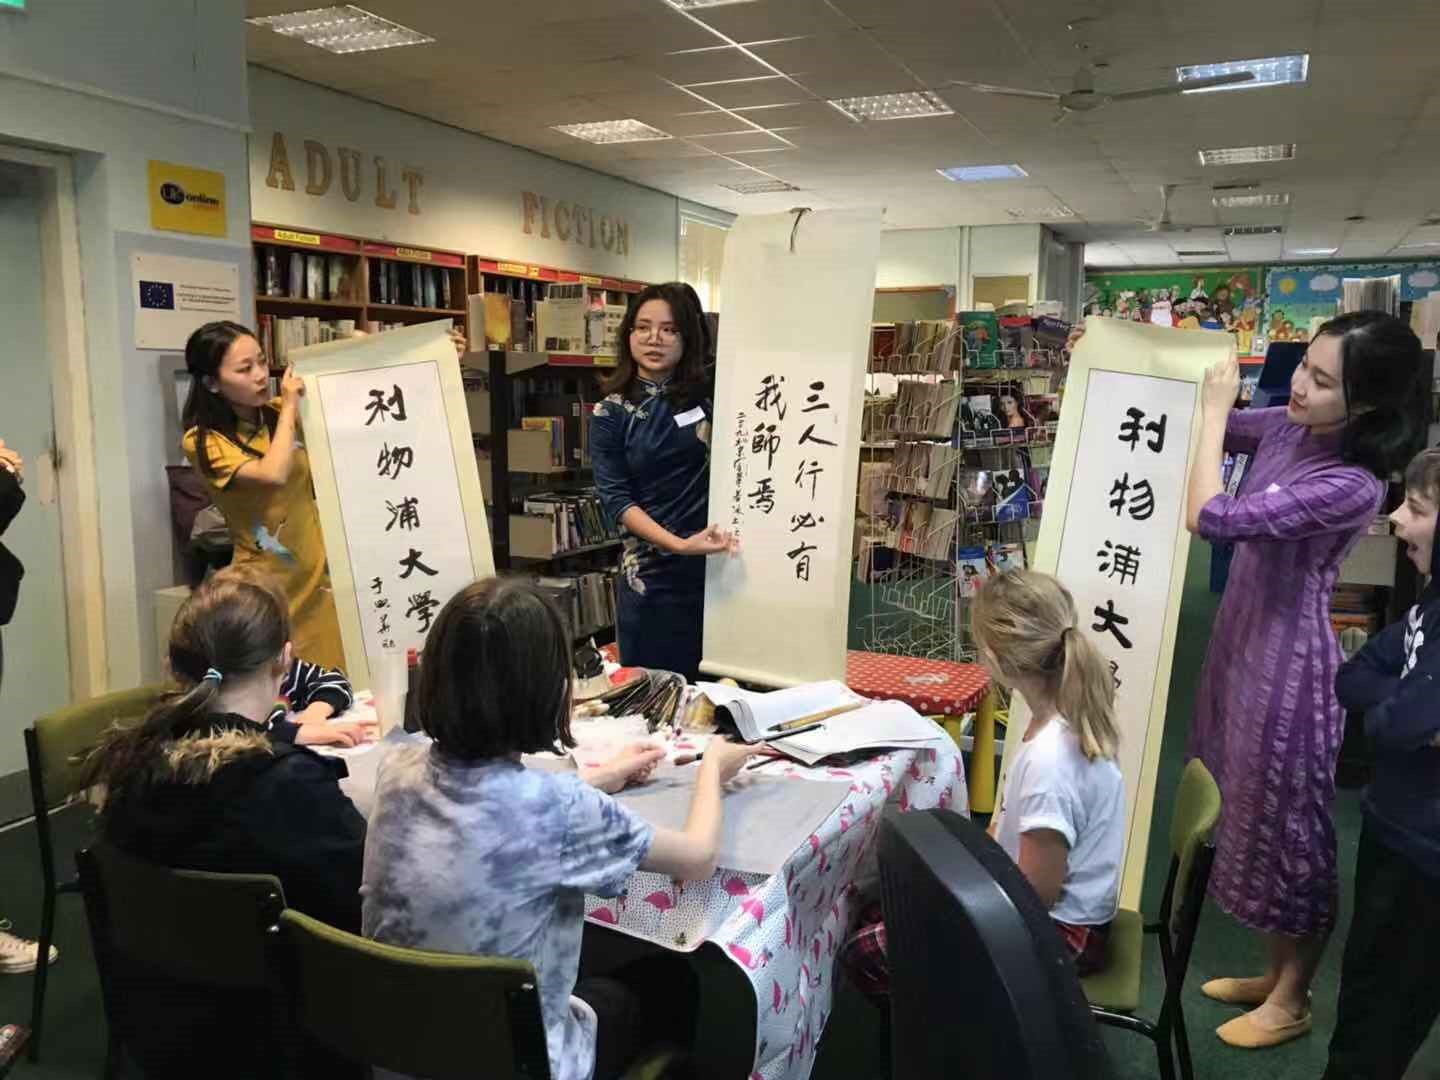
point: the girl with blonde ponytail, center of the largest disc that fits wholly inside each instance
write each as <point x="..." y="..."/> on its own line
<point x="1062" y="813"/>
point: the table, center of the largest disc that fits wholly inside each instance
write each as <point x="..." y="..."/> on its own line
<point x="781" y="932"/>
<point x="946" y="688"/>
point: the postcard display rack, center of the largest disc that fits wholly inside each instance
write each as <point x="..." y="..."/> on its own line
<point x="959" y="422"/>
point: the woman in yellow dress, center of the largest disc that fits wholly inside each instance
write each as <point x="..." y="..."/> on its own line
<point x="247" y="448"/>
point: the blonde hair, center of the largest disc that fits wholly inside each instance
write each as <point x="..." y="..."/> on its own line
<point x="1026" y="621"/>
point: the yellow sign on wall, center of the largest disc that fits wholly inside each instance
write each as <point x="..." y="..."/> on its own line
<point x="187" y="200"/>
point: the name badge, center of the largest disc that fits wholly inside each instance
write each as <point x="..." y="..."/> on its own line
<point x="690" y="416"/>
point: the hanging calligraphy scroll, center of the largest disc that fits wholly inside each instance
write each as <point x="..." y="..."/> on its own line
<point x="1114" y="530"/>
<point x="395" y="478"/>
<point x="785" y="449"/>
<point x="785" y="452"/>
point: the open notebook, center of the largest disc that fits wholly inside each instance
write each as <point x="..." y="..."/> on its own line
<point x="757" y="714"/>
<point x="879" y="725"/>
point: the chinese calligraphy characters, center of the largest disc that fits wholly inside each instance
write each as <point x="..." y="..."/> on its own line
<point x="381" y="408"/>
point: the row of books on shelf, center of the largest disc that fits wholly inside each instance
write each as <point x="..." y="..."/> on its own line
<point x="412" y="285"/>
<point x="298" y="275"/>
<point x="281" y="333"/>
<point x="971" y="339"/>
<point x="577" y="519"/>
<point x="586" y="601"/>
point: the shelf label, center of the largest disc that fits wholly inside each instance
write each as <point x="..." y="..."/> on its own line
<point x="413" y="253"/>
<point x="585" y="279"/>
<point x="519" y="269"/>
<point x="297" y="237"/>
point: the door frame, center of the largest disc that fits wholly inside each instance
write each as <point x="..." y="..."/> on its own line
<point x="76" y="480"/>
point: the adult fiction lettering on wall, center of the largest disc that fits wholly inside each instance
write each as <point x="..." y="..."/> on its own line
<point x="1123" y="519"/>
<point x="347" y="172"/>
<point x="572" y="223"/>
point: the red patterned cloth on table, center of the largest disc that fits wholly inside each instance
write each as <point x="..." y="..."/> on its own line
<point x="932" y="687"/>
<point x="783" y="931"/>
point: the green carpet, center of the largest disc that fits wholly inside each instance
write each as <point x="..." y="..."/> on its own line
<point x="74" y="1042"/>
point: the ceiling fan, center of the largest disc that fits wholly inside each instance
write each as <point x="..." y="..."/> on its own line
<point x="1162" y="222"/>
<point x="1083" y="97"/>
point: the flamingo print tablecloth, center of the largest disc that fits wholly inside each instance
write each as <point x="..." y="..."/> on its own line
<point x="784" y="930"/>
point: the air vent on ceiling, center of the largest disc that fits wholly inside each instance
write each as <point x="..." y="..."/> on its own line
<point x="1236" y="185"/>
<point x="759" y="187"/>
<point x="1254" y="230"/>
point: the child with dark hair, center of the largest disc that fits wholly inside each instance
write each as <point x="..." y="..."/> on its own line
<point x="1389" y="992"/>
<point x="200" y="784"/>
<point x="311" y="695"/>
<point x="472" y="852"/>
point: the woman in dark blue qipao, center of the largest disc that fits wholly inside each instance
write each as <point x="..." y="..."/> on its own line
<point x="650" y="447"/>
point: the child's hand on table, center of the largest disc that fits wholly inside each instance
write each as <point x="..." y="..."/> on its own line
<point x="633" y="765"/>
<point x="327" y="734"/>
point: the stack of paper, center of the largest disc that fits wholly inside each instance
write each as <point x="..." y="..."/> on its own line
<point x="757" y="714"/>
<point x="880" y="725"/>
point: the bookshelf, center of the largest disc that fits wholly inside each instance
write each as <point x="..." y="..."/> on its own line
<point x="315" y="286"/>
<point x="511" y="316"/>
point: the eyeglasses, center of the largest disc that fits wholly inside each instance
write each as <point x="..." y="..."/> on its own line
<point x="663" y="333"/>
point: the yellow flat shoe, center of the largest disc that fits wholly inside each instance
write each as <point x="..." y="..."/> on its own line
<point x="1236" y="991"/>
<point x="1248" y="1035"/>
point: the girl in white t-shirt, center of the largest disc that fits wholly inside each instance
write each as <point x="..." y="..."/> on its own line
<point x="1062" y="811"/>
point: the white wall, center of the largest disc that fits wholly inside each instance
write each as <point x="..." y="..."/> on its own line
<point x="1002" y="250"/>
<point x="911" y="257"/>
<point x="471" y="198"/>
<point x="116" y="85"/>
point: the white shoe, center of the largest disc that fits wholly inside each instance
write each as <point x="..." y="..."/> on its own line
<point x="17" y="955"/>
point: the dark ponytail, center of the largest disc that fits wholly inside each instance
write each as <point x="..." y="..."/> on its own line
<point x="230" y="627"/>
<point x="1381" y="371"/>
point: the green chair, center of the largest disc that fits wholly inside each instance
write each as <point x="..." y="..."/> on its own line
<point x="1114" y="993"/>
<point x="445" y="1016"/>
<point x="55" y="748"/>
<point x="198" y="930"/>
<point x="438" y="1015"/>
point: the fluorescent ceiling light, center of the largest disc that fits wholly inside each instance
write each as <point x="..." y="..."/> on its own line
<point x="909" y="105"/>
<point x="343" y="29"/>
<point x="1215" y="254"/>
<point x="612" y="131"/>
<point x="1040" y="212"/>
<point x="1270" y="71"/>
<point x="1312" y="251"/>
<point x="759" y="187"/>
<point x="974" y="174"/>
<point x="1273" y="198"/>
<point x="1253" y="230"/>
<point x="692" y="5"/>
<point x="1247" y="155"/>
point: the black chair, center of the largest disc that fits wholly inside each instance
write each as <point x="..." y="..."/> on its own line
<point x="184" y="934"/>
<point x="981" y="984"/>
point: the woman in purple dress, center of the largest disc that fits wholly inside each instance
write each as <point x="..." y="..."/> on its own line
<point x="1267" y="722"/>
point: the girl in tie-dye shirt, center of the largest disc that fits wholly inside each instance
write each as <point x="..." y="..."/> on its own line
<point x="470" y="851"/>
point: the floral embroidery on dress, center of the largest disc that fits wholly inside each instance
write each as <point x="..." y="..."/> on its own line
<point x="630" y="564"/>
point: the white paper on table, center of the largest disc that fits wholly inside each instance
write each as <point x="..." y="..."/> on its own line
<point x="879" y="725"/>
<point x="756" y="713"/>
<point x="765" y="817"/>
